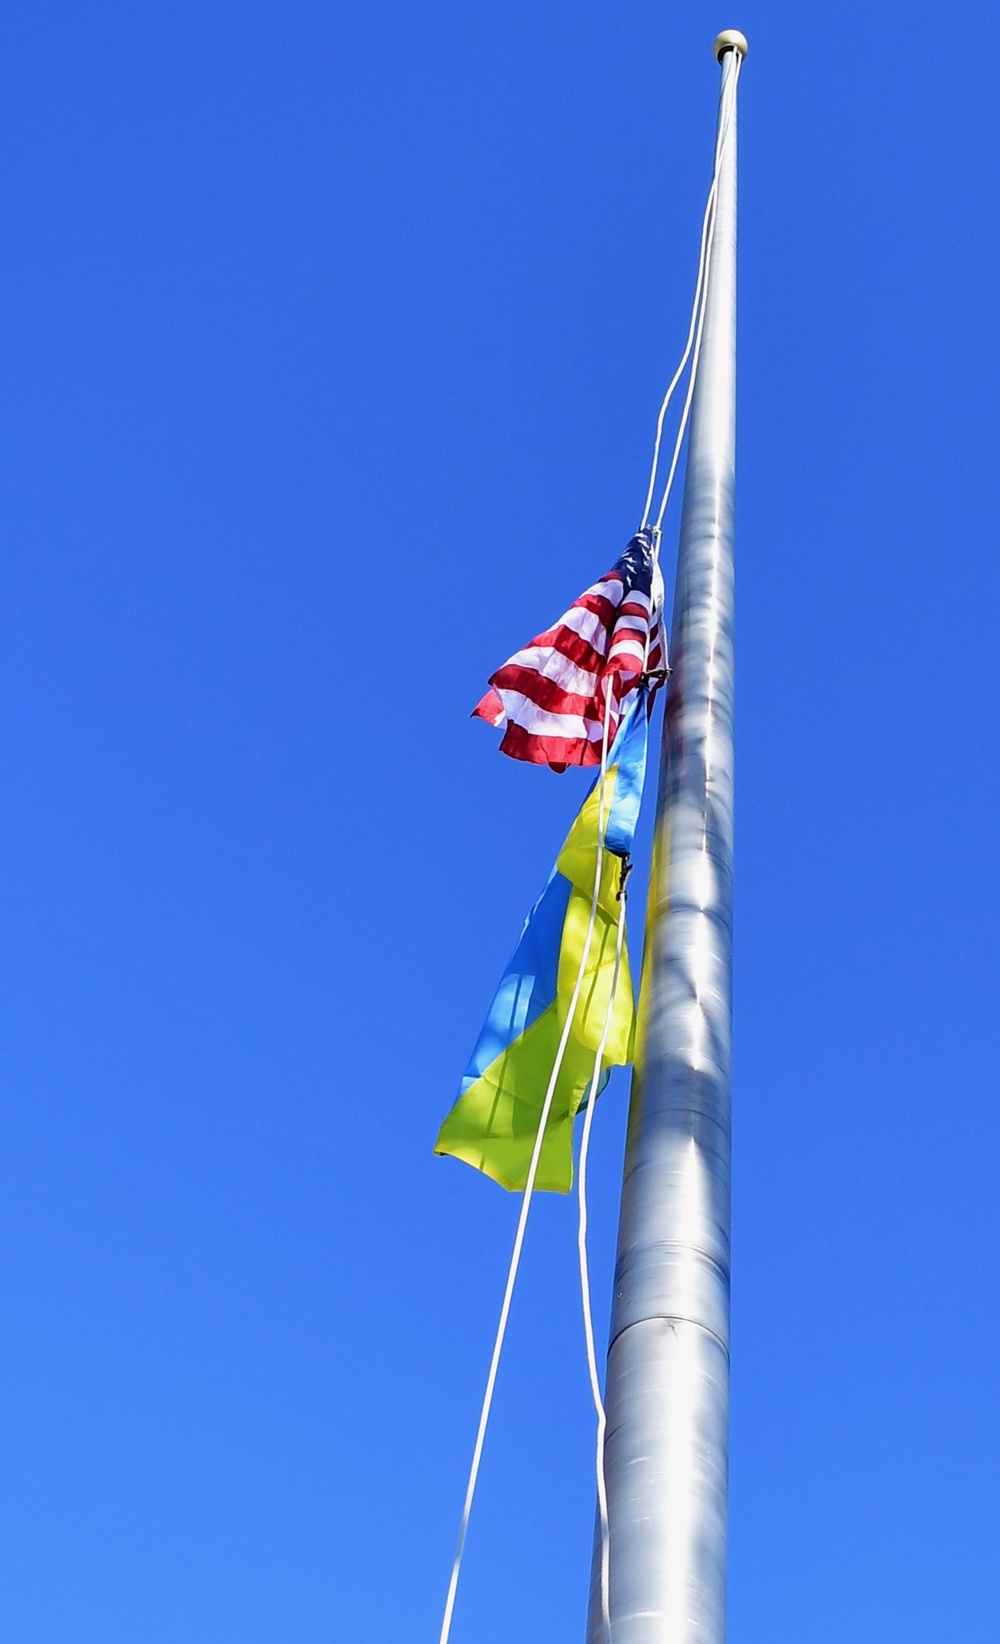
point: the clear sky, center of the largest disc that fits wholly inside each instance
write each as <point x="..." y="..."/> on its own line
<point x="332" y="339"/>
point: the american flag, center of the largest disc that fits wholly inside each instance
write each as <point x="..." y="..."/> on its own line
<point x="551" y="697"/>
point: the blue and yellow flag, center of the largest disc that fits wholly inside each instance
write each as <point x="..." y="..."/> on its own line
<point x="494" y="1123"/>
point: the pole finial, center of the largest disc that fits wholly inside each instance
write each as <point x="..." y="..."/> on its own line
<point x="730" y="40"/>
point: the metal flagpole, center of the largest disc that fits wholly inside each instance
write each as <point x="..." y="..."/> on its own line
<point x="667" y="1396"/>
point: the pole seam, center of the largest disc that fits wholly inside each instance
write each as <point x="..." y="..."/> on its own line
<point x="669" y="1318"/>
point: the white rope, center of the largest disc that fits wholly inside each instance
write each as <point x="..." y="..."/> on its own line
<point x="588" y="1315"/>
<point x="529" y="1188"/>
<point x="701" y="304"/>
<point x="697" y="311"/>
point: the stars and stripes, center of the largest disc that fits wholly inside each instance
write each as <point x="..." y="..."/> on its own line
<point x="551" y="697"/>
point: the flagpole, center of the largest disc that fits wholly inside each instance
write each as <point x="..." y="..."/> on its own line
<point x="667" y="1392"/>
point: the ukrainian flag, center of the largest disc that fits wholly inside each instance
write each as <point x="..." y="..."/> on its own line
<point x="494" y="1123"/>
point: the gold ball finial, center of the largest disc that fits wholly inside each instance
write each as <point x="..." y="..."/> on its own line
<point x="730" y="40"/>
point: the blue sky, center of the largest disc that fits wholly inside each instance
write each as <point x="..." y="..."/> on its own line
<point x="332" y="341"/>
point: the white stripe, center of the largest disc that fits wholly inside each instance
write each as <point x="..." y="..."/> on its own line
<point x="550" y="664"/>
<point x="658" y="591"/>
<point x="637" y="651"/>
<point x="626" y="631"/>
<point x="629" y="643"/>
<point x="588" y="625"/>
<point x="531" y="718"/>
<point x="605" y="589"/>
<point x="639" y="597"/>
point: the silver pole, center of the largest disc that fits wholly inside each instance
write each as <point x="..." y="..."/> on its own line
<point x="667" y="1396"/>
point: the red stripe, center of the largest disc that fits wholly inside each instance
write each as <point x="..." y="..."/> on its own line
<point x="557" y="751"/>
<point x="489" y="708"/>
<point x="545" y="693"/>
<point x="571" y="646"/>
<point x="576" y="648"/>
<point x="601" y="607"/>
<point x="623" y="668"/>
<point x="612" y="584"/>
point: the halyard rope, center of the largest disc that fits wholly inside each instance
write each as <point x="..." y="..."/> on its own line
<point x="697" y="312"/>
<point x="529" y="1188"/>
<point x="581" y="1240"/>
